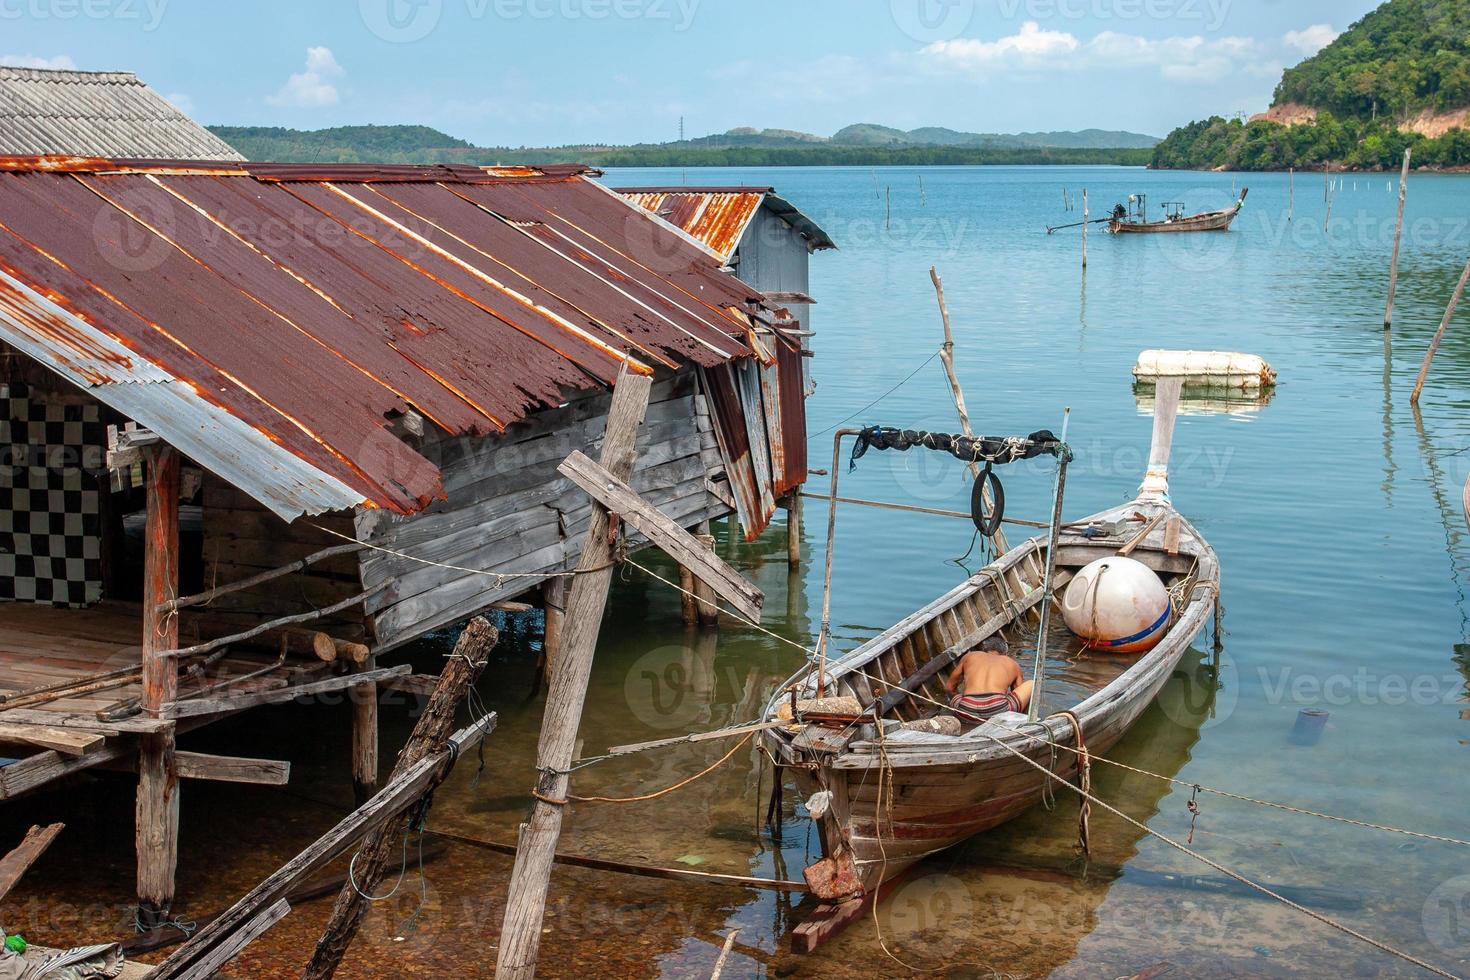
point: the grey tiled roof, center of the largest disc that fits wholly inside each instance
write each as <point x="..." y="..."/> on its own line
<point x="97" y="114"/>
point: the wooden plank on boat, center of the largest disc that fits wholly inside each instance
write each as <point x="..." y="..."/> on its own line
<point x="828" y="921"/>
<point x="816" y="739"/>
<point x="1171" y="535"/>
<point x="621" y="499"/>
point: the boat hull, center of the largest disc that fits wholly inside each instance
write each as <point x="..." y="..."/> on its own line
<point x="1219" y="221"/>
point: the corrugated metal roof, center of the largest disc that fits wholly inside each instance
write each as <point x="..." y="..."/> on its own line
<point x="718" y="216"/>
<point x="91" y="113"/>
<point x="269" y="319"/>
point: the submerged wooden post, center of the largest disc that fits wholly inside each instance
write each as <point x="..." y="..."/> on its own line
<point x="525" y="905"/>
<point x="1291" y="208"/>
<point x="793" y="529"/>
<point x="946" y="354"/>
<point x="688" y="604"/>
<point x="1398" y="237"/>
<point x="380" y="847"/>
<point x="1449" y="314"/>
<point x="364" y="698"/>
<point x="157" y="829"/>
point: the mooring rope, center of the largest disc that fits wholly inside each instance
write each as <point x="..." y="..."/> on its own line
<point x="668" y="789"/>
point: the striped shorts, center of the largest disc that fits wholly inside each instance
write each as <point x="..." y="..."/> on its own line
<point x="976" y="709"/>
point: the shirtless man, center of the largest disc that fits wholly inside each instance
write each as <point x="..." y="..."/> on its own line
<point x="992" y="683"/>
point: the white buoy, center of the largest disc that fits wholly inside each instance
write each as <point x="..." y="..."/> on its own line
<point x="1205" y="368"/>
<point x="1117" y="604"/>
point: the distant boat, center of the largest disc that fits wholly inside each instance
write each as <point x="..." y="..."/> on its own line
<point x="1133" y="221"/>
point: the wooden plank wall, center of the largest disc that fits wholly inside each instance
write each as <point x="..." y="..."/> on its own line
<point x="243" y="538"/>
<point x="509" y="510"/>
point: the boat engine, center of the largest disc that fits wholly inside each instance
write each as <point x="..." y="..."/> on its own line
<point x="1117" y="604"/>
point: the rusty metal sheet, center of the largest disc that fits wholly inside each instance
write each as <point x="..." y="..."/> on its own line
<point x="716" y="216"/>
<point x="268" y="319"/>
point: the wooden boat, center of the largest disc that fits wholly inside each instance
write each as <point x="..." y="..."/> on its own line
<point x="899" y="796"/>
<point x="1177" y="221"/>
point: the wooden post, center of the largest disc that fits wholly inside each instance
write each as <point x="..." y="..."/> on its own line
<point x="688" y="605"/>
<point x="946" y="354"/>
<point x="1398" y="237"/>
<point x="1086" y="215"/>
<point x="1291" y="209"/>
<point x="379" y="848"/>
<point x="520" y="933"/>
<point x="1327" y="194"/>
<point x="364" y="698"/>
<point x="1449" y="314"/>
<point x="708" y="607"/>
<point x="554" y="601"/>
<point x="793" y="530"/>
<point x="157" y="830"/>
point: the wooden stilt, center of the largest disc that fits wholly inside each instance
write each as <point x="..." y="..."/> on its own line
<point x="430" y="735"/>
<point x="688" y="605"/>
<point x="1449" y="314"/>
<point x="157" y="829"/>
<point x="1398" y="237"/>
<point x="554" y="603"/>
<point x="708" y="608"/>
<point x="364" y="698"/>
<point x="793" y="530"/>
<point x="1086" y="219"/>
<point x="525" y="907"/>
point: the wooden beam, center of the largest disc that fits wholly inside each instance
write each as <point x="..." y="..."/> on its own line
<point x="390" y="802"/>
<point x="156" y="836"/>
<point x="64" y="740"/>
<point x="364" y="698"/>
<point x="215" y="960"/>
<point x="616" y="496"/>
<point x="218" y="768"/>
<point x="299" y="565"/>
<point x="520" y="933"/>
<point x="419" y="685"/>
<point x="84" y="723"/>
<point x="212" y="706"/>
<point x="15" y="864"/>
<point x="429" y="736"/>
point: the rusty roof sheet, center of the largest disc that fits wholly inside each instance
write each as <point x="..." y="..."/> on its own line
<point x="718" y="216"/>
<point x="270" y="319"/>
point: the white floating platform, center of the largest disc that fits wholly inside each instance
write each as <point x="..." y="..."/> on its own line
<point x="1205" y="368"/>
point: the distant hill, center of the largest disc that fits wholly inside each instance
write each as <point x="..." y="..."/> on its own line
<point x="1397" y="79"/>
<point x="864" y="144"/>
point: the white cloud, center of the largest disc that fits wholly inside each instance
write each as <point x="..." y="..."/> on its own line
<point x="312" y="88"/>
<point x="1031" y="45"/>
<point x="61" y="61"/>
<point x="1179" y="59"/>
<point x="1310" y="40"/>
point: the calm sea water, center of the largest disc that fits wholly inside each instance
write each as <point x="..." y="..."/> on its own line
<point x="1334" y="508"/>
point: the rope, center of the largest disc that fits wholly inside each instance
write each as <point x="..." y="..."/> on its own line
<point x="500" y="577"/>
<point x="402" y="873"/>
<point x="666" y="790"/>
<point x="1084" y="780"/>
<point x="1262" y="889"/>
<point x="913" y="374"/>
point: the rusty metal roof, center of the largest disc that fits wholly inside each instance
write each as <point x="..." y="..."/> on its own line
<point x="269" y="320"/>
<point x="718" y="216"/>
<point x="108" y="113"/>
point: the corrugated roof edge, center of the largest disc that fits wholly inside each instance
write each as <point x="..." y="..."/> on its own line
<point x="287" y="172"/>
<point x="817" y="238"/>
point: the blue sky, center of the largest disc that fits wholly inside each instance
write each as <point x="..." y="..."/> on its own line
<point x="548" y="72"/>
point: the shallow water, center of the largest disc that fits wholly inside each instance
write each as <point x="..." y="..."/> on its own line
<point x="1335" y="511"/>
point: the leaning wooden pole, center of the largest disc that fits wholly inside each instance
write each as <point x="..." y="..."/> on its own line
<point x="380" y="847"/>
<point x="946" y="354"/>
<point x="157" y="829"/>
<point x="1398" y="237"/>
<point x="1086" y="217"/>
<point x="525" y="906"/>
<point x="1449" y="314"/>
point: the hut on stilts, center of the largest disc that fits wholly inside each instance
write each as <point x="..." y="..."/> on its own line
<point x="261" y="425"/>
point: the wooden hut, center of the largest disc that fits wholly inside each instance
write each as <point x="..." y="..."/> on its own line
<point x="326" y="404"/>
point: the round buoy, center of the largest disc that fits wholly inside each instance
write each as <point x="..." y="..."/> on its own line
<point x="1117" y="604"/>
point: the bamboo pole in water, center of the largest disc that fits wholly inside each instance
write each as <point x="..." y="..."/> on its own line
<point x="1086" y="216"/>
<point x="946" y="354"/>
<point x="1291" y="210"/>
<point x="1449" y="314"/>
<point x="1398" y="237"/>
<point x="1038" y="671"/>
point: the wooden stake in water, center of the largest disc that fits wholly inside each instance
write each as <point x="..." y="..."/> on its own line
<point x="888" y="206"/>
<point x="1398" y="237"/>
<point x="1086" y="216"/>
<point x="1327" y="221"/>
<point x="1038" y="668"/>
<point x="1449" y="314"/>
<point x="923" y="203"/>
<point x="1291" y="211"/>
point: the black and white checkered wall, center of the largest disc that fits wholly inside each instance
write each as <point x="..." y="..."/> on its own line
<point x="50" y="505"/>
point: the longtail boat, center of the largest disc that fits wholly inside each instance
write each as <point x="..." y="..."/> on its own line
<point x="1175" y="220"/>
<point x="885" y="796"/>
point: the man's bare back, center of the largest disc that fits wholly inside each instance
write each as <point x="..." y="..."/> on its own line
<point x="987" y="681"/>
